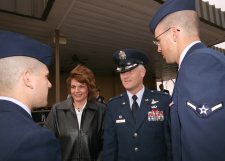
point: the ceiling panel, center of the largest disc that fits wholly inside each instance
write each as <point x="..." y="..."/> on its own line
<point x="94" y="29"/>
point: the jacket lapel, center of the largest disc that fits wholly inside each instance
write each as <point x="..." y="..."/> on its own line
<point x="144" y="109"/>
<point x="126" y="110"/>
<point x="88" y="115"/>
<point x="190" y="51"/>
<point x="10" y="106"/>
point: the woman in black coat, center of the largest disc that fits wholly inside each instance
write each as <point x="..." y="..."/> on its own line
<point x="78" y="121"/>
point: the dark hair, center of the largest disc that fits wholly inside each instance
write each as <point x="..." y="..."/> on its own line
<point x="83" y="75"/>
<point x="161" y="86"/>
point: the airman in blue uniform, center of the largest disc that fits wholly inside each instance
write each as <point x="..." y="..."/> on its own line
<point x="24" y="86"/>
<point x="137" y="127"/>
<point x="197" y="110"/>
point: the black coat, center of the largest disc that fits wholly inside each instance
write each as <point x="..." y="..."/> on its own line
<point x="78" y="145"/>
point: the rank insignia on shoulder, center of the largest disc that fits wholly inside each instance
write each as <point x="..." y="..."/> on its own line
<point x="204" y="110"/>
<point x="114" y="98"/>
<point x="171" y="104"/>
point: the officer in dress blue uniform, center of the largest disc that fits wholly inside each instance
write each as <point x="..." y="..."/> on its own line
<point x="197" y="110"/>
<point x="136" y="129"/>
<point x="24" y="85"/>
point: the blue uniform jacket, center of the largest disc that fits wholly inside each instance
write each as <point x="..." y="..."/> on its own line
<point x="198" y="112"/>
<point x="148" y="139"/>
<point x="21" y="139"/>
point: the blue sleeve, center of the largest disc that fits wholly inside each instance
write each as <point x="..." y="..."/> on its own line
<point x="37" y="145"/>
<point x="110" y="139"/>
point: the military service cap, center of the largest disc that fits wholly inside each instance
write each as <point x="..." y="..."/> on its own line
<point x="128" y="59"/>
<point x="170" y="6"/>
<point x="14" y="44"/>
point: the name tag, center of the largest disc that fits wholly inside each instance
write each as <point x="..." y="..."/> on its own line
<point x="120" y="121"/>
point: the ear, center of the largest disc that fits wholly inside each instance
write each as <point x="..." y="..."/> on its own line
<point x="175" y="32"/>
<point x="143" y="71"/>
<point x="27" y="79"/>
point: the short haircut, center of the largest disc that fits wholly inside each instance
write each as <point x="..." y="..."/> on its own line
<point x="187" y="19"/>
<point x="11" y="69"/>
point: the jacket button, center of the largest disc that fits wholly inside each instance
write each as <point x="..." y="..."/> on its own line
<point x="135" y="134"/>
<point x="136" y="149"/>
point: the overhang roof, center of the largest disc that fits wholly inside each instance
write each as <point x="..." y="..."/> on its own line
<point x="94" y="29"/>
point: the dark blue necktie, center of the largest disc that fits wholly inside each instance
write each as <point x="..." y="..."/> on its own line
<point x="135" y="107"/>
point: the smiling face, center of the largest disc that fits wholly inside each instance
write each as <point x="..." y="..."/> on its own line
<point x="133" y="80"/>
<point x="78" y="91"/>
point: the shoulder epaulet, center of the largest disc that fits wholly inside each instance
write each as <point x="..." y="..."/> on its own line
<point x="159" y="92"/>
<point x="114" y="98"/>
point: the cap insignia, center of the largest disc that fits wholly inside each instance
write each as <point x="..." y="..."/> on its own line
<point x="122" y="55"/>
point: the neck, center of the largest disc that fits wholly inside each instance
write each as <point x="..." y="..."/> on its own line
<point x="79" y="105"/>
<point x="17" y="96"/>
<point x="135" y="91"/>
<point x="184" y="43"/>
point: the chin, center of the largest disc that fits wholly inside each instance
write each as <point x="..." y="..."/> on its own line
<point x="167" y="61"/>
<point x="128" y="88"/>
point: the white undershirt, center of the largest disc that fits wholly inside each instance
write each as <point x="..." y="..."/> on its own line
<point x="79" y="114"/>
<point x="23" y="106"/>
<point x="139" y="97"/>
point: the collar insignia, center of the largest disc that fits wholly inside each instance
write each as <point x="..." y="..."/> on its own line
<point x="146" y="99"/>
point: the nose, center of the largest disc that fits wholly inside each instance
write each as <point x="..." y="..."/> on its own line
<point x="159" y="49"/>
<point x="125" y="74"/>
<point x="49" y="84"/>
<point x="76" y="89"/>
